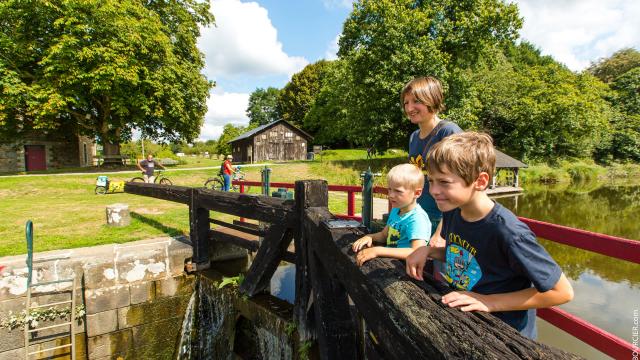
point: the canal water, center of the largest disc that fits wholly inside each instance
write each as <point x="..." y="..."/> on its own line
<point x="607" y="290"/>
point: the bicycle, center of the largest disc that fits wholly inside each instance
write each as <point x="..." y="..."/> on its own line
<point x="160" y="178"/>
<point x="104" y="185"/>
<point x="217" y="182"/>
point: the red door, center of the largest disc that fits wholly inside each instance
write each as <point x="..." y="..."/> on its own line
<point x="34" y="156"/>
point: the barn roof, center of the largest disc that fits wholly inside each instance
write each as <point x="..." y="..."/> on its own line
<point x="505" y="161"/>
<point x="262" y="128"/>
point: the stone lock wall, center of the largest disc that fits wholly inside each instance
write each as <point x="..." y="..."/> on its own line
<point x="135" y="296"/>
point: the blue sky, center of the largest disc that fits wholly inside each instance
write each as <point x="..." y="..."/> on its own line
<point x="262" y="43"/>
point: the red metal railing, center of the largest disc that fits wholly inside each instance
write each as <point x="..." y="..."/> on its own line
<point x="615" y="247"/>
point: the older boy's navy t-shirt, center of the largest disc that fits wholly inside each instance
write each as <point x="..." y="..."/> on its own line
<point x="418" y="149"/>
<point x="498" y="254"/>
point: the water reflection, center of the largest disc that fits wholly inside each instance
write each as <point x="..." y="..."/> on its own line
<point x="283" y="283"/>
<point x="606" y="289"/>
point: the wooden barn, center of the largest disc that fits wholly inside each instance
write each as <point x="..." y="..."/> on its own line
<point x="278" y="140"/>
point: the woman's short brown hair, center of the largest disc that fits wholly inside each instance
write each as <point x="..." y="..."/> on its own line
<point x="426" y="89"/>
<point x="464" y="154"/>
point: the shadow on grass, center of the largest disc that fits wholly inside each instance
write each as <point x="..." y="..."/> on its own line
<point x="156" y="224"/>
<point x="376" y="164"/>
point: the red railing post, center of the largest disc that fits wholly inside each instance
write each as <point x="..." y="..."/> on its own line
<point x="351" y="203"/>
<point x="242" y="191"/>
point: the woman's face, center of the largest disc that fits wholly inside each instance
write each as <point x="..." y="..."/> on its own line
<point x="416" y="111"/>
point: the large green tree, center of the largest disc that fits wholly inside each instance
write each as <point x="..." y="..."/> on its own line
<point x="263" y="106"/>
<point x="103" y="68"/>
<point x="298" y="96"/>
<point x="608" y="69"/>
<point x="385" y="43"/>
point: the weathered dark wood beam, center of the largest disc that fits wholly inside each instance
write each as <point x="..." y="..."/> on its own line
<point x="199" y="231"/>
<point x="309" y="193"/>
<point x="263" y="208"/>
<point x="407" y="318"/>
<point x="243" y="228"/>
<point x="180" y="194"/>
<point x="251" y="245"/>
<point x="269" y="255"/>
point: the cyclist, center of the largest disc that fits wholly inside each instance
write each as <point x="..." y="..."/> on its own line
<point x="148" y="166"/>
<point x="227" y="171"/>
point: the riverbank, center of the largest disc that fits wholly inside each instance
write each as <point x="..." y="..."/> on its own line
<point x="578" y="171"/>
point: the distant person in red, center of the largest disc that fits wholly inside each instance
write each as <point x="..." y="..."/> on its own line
<point x="227" y="170"/>
<point x="147" y="167"/>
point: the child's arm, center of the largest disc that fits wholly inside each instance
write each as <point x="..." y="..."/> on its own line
<point x="382" y="251"/>
<point x="417" y="259"/>
<point x="531" y="298"/>
<point x="370" y="239"/>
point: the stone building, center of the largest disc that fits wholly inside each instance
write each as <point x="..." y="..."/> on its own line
<point x="40" y="151"/>
<point x="278" y="140"/>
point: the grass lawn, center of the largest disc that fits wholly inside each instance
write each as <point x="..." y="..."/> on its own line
<point x="67" y="214"/>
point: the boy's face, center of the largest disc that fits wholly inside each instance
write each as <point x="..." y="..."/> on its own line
<point x="449" y="190"/>
<point x="416" y="110"/>
<point x="401" y="196"/>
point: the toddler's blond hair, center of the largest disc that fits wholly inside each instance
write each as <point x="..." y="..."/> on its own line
<point x="407" y="175"/>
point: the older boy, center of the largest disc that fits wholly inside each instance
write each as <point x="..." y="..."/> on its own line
<point x="408" y="226"/>
<point x="488" y="250"/>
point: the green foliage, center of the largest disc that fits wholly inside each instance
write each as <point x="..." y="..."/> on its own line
<point x="303" y="350"/>
<point x="262" y="108"/>
<point x="290" y="328"/>
<point x="608" y="69"/>
<point x="386" y="43"/>
<point x="103" y="68"/>
<point x="230" y="132"/>
<point x="231" y="281"/>
<point x="298" y="96"/>
<point x="14" y="321"/>
<point x="541" y="112"/>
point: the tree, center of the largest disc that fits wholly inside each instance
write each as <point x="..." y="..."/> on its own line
<point x="262" y="108"/>
<point x="542" y="112"/>
<point x="230" y="132"/>
<point x="386" y="43"/>
<point x="102" y="68"/>
<point x="608" y="69"/>
<point x="297" y="97"/>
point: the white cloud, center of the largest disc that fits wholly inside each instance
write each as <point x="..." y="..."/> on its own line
<point x="577" y="32"/>
<point x="244" y="42"/>
<point x="332" y="49"/>
<point x="224" y="108"/>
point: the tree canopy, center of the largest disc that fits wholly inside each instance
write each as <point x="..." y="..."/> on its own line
<point x="103" y="68"/>
<point x="262" y="108"/>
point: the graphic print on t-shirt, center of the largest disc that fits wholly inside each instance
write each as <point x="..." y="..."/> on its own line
<point x="393" y="237"/>
<point x="418" y="161"/>
<point x="463" y="271"/>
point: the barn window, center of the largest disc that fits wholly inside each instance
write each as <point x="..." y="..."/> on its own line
<point x="288" y="134"/>
<point x="297" y="137"/>
<point x="257" y="143"/>
<point x="273" y="133"/>
<point x="303" y="144"/>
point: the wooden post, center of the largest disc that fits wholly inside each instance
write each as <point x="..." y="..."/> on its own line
<point x="199" y="227"/>
<point x="351" y="203"/>
<point x="310" y="193"/>
<point x="335" y="327"/>
<point x="516" y="181"/>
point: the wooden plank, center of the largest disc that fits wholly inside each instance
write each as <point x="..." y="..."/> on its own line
<point x="263" y="208"/>
<point x="199" y="232"/>
<point x="245" y="229"/>
<point x="179" y="194"/>
<point x="336" y="329"/>
<point x="251" y="245"/>
<point x="269" y="255"/>
<point x="307" y="194"/>
<point x="247" y="224"/>
<point x="407" y="317"/>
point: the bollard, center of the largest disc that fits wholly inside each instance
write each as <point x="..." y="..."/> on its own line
<point x="367" y="197"/>
<point x="266" y="178"/>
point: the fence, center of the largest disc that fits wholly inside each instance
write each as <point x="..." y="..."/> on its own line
<point x="615" y="247"/>
<point x="401" y="318"/>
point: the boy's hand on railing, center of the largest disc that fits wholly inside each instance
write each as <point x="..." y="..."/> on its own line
<point x="364" y="242"/>
<point x="416" y="261"/>
<point x="366" y="254"/>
